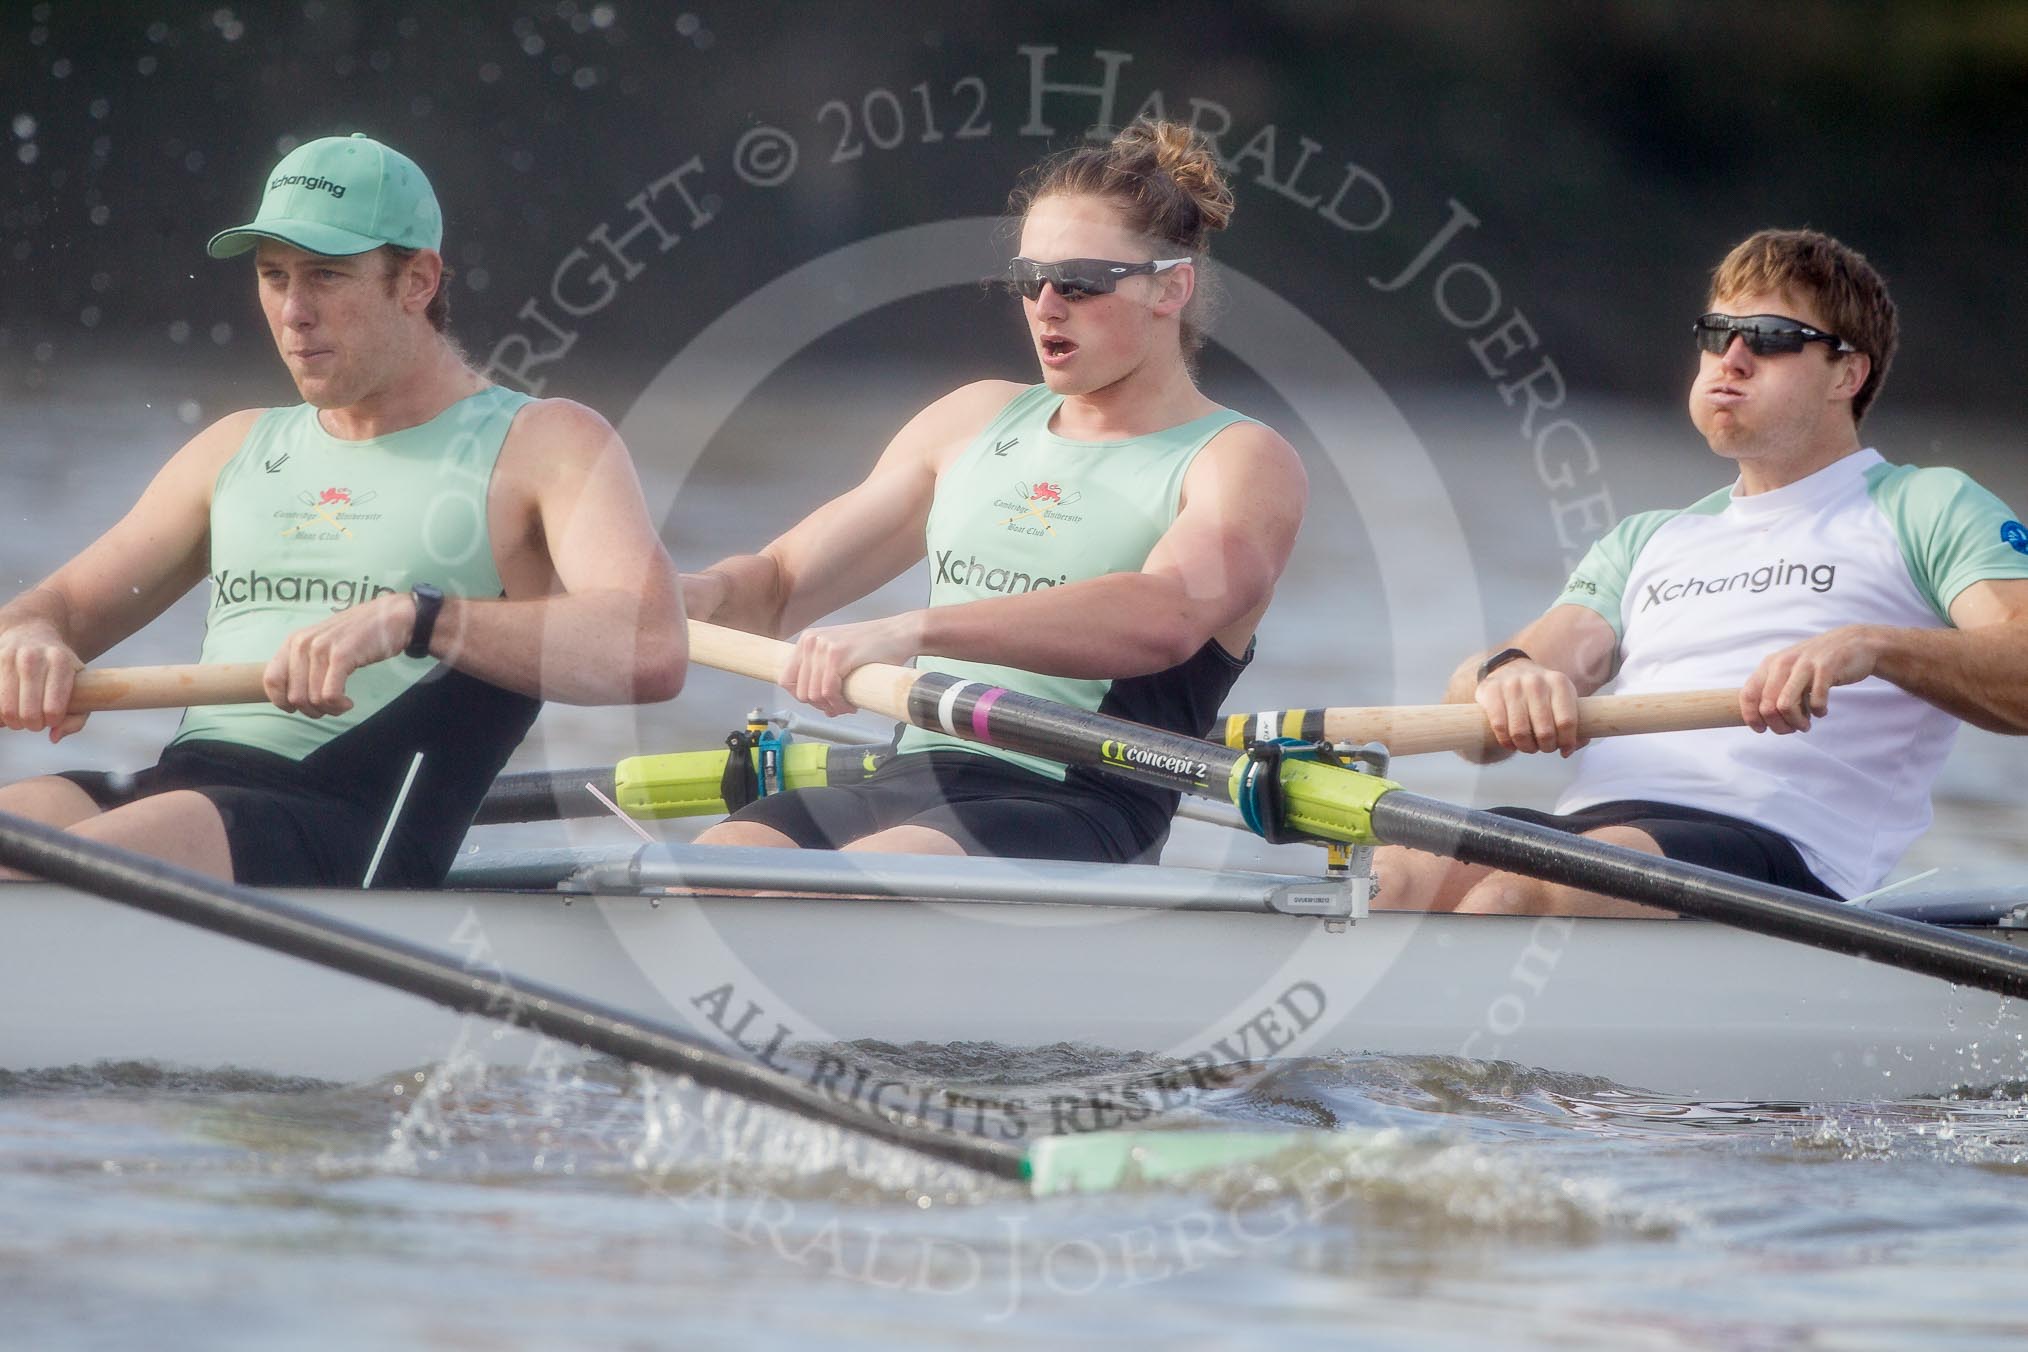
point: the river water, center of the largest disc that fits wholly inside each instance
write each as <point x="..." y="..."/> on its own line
<point x="1452" y="1204"/>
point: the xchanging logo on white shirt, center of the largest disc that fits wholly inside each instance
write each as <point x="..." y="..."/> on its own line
<point x="1817" y="577"/>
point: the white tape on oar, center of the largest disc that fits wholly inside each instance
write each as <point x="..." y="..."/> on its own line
<point x="947" y="706"/>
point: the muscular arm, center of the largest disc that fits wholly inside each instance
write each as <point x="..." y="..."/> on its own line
<point x="121" y="581"/>
<point x="1973" y="671"/>
<point x="1531" y="702"/>
<point x="593" y="614"/>
<point x="857" y="541"/>
<point x="1210" y="575"/>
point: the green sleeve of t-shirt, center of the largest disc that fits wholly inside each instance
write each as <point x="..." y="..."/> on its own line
<point x="1952" y="532"/>
<point x="1600" y="582"/>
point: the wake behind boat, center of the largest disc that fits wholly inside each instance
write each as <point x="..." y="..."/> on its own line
<point x="1207" y="969"/>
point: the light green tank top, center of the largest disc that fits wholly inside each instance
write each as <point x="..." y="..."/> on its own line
<point x="1023" y="508"/>
<point x="304" y="524"/>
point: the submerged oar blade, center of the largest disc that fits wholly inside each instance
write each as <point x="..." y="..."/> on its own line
<point x="1104" y="1160"/>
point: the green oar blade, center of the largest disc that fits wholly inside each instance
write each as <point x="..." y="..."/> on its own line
<point x="1103" y="1160"/>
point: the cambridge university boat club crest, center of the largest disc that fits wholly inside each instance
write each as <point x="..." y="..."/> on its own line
<point x="331" y="507"/>
<point x="1039" y="508"/>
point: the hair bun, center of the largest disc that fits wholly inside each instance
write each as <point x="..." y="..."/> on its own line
<point x="1186" y="159"/>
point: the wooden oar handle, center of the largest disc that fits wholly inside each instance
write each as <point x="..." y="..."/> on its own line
<point x="166" y="687"/>
<point x="1407" y="729"/>
<point x="1412" y="729"/>
<point x="877" y="687"/>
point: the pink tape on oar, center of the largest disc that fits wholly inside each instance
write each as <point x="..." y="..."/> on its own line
<point x="979" y="728"/>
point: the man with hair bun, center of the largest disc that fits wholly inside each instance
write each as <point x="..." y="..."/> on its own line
<point x="417" y="555"/>
<point x="1107" y="538"/>
<point x="1823" y="566"/>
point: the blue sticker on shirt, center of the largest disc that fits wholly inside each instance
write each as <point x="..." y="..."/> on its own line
<point x="2015" y="534"/>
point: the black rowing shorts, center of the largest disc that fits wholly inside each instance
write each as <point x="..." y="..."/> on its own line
<point x="987" y="805"/>
<point x="284" y="825"/>
<point x="1691" y="835"/>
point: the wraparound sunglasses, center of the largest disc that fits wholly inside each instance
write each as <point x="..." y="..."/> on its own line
<point x="1077" y="278"/>
<point x="1765" y="335"/>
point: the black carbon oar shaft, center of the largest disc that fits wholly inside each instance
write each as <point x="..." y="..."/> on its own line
<point x="544" y="796"/>
<point x="241" y="913"/>
<point x="1330" y="803"/>
<point x="1402" y="818"/>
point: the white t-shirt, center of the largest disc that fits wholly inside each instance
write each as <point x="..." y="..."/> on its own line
<point x="1698" y="597"/>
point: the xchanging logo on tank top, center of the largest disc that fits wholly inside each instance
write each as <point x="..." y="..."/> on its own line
<point x="988" y="577"/>
<point x="250" y="586"/>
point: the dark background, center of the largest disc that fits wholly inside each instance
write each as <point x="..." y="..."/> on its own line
<point x="1611" y="154"/>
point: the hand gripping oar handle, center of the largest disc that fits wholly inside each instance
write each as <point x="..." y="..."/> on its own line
<point x="1327" y="802"/>
<point x="876" y="686"/>
<point x="166" y="687"/>
<point x="1414" y="729"/>
<point x="1408" y="729"/>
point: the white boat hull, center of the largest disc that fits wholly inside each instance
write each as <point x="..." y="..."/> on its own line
<point x="1678" y="1007"/>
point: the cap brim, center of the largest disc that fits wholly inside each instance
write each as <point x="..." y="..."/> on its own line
<point x="314" y="236"/>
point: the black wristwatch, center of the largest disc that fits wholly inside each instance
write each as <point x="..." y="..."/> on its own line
<point x="428" y="601"/>
<point x="1500" y="659"/>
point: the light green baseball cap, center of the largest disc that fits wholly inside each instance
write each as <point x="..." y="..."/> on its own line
<point x="341" y="195"/>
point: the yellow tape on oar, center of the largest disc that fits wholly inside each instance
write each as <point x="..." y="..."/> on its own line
<point x="1303" y="725"/>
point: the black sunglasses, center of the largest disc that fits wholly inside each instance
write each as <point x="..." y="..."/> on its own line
<point x="1765" y="335"/>
<point x="1076" y="278"/>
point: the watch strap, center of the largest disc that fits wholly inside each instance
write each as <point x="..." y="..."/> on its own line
<point x="1501" y="659"/>
<point x="429" y="601"/>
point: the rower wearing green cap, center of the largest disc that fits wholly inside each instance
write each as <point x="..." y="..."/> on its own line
<point x="340" y="196"/>
<point x="418" y="556"/>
